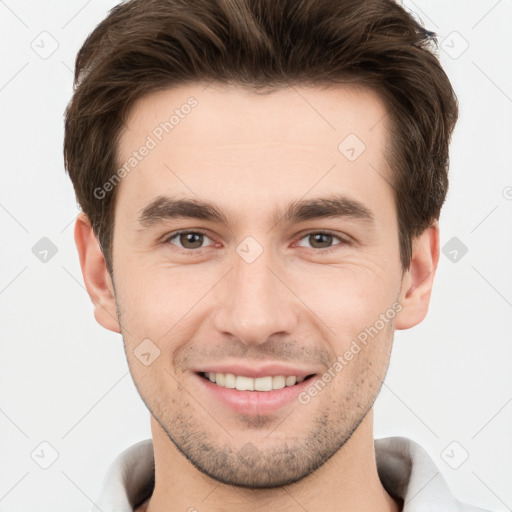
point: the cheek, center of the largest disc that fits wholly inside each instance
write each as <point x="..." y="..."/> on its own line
<point x="347" y="297"/>
<point x="155" y="299"/>
<point x="365" y="359"/>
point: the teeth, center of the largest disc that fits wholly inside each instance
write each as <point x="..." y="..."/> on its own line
<point x="263" y="384"/>
<point x="290" y="381"/>
<point x="278" y="382"/>
<point x="241" y="383"/>
<point x="230" y="381"/>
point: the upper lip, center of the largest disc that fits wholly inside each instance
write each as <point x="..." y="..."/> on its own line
<point x="255" y="371"/>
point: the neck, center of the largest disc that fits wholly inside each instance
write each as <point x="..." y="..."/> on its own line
<point x="347" y="481"/>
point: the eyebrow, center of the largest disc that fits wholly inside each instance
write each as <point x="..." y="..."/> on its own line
<point x="163" y="208"/>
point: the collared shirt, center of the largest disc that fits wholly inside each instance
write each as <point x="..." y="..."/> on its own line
<point x="406" y="471"/>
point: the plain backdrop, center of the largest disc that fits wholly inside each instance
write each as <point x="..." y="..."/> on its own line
<point x="68" y="405"/>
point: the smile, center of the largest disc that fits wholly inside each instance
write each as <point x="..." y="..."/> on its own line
<point x="243" y="383"/>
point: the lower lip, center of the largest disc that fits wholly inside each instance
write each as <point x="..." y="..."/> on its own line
<point x="254" y="402"/>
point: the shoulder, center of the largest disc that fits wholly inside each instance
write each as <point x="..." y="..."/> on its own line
<point x="409" y="473"/>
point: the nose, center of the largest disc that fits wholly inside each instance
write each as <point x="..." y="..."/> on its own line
<point x="255" y="302"/>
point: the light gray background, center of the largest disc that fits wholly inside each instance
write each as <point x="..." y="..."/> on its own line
<point x="64" y="379"/>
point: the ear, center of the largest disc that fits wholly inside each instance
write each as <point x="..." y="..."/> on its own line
<point x="96" y="277"/>
<point x="417" y="282"/>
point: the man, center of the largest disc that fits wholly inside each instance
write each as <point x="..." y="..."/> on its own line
<point x="261" y="183"/>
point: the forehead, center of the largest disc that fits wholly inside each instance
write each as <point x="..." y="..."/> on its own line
<point x="224" y="113"/>
<point x="247" y="149"/>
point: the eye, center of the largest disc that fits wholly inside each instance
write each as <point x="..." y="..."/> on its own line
<point x="188" y="240"/>
<point x="193" y="240"/>
<point x="322" y="240"/>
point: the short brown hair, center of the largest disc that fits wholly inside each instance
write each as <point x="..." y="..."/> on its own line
<point x="148" y="45"/>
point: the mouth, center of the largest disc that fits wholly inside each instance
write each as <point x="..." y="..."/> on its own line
<point x="243" y="388"/>
<point x="243" y="383"/>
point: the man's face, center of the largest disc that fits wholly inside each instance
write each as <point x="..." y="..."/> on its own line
<point x="257" y="292"/>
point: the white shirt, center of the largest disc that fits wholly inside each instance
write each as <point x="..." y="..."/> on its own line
<point x="404" y="468"/>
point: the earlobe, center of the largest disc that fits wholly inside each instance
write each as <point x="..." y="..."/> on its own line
<point x="96" y="277"/>
<point x="418" y="281"/>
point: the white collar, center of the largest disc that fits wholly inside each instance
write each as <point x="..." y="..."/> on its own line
<point x="404" y="468"/>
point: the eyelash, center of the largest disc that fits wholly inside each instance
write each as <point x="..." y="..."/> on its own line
<point x="343" y="241"/>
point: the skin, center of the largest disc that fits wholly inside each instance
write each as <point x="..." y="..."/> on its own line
<point x="293" y="304"/>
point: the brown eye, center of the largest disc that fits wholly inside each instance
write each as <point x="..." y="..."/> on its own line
<point x="191" y="240"/>
<point x="188" y="240"/>
<point x="322" y="240"/>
